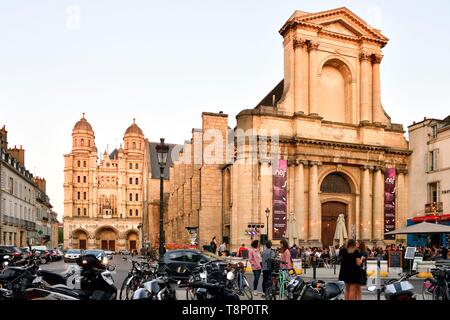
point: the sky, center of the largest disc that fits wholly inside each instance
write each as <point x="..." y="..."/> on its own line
<point x="165" y="62"/>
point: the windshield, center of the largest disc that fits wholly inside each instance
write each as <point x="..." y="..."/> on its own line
<point x="212" y="256"/>
<point x="73" y="251"/>
<point x="94" y="252"/>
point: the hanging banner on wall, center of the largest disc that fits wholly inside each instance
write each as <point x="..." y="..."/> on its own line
<point x="279" y="200"/>
<point x="390" y="177"/>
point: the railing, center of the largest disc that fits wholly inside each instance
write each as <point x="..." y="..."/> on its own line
<point x="434" y="207"/>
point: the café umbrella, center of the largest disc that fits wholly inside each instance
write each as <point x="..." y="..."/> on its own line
<point x="421" y="228"/>
<point x="341" y="231"/>
<point x="292" y="229"/>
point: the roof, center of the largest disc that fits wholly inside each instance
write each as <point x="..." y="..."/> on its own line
<point x="273" y="96"/>
<point x="134" y="129"/>
<point x="83" y="124"/>
<point x="154" y="159"/>
<point x="114" y="155"/>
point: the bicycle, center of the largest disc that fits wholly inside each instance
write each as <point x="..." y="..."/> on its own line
<point x="239" y="283"/>
<point x="441" y="289"/>
<point x="140" y="273"/>
<point x="279" y="281"/>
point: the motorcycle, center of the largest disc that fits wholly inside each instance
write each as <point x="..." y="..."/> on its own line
<point x="398" y="289"/>
<point x="157" y="289"/>
<point x="299" y="289"/>
<point x="205" y="291"/>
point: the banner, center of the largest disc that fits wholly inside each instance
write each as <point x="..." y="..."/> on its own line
<point x="390" y="177"/>
<point x="279" y="200"/>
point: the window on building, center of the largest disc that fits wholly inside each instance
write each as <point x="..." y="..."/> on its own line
<point x="89" y="142"/>
<point x="131" y="197"/>
<point x="78" y="163"/>
<point x="335" y="183"/>
<point x="137" y="212"/>
<point x="131" y="180"/>
<point x="84" y="164"/>
<point x="137" y="197"/>
<point x="79" y="211"/>
<point x="78" y="179"/>
<point x="137" y="180"/>
<point x="85" y="211"/>
<point x="433" y="164"/>
<point x="136" y="166"/>
<point x="434" y="192"/>
<point x="82" y="142"/>
<point x="131" y="212"/>
<point x="131" y="166"/>
<point x="134" y="145"/>
<point x="84" y="195"/>
<point x="434" y="131"/>
<point x="84" y="179"/>
<point x="78" y="196"/>
<point x="11" y="185"/>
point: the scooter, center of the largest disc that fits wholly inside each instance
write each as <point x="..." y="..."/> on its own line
<point x="298" y="289"/>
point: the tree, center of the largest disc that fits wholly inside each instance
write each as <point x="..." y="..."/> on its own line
<point x="60" y="235"/>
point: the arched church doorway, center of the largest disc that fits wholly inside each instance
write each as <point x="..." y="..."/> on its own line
<point x="80" y="239"/>
<point x="330" y="212"/>
<point x="132" y="240"/>
<point x="106" y="238"/>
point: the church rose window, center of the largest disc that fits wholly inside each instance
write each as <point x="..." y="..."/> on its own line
<point x="335" y="183"/>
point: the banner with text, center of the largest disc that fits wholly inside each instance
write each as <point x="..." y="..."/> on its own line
<point x="390" y="177"/>
<point x="279" y="200"/>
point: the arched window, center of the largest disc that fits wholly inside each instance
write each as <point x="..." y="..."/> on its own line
<point x="137" y="180"/>
<point x="82" y="142"/>
<point x="78" y="195"/>
<point x="85" y="211"/>
<point x="137" y="197"/>
<point x="140" y="146"/>
<point x="84" y="164"/>
<point x="130" y="166"/>
<point x="131" y="180"/>
<point x="78" y="179"/>
<point x="335" y="183"/>
<point x="131" y="212"/>
<point x="136" y="166"/>
<point x="89" y="142"/>
<point x="131" y="197"/>
<point x="79" y="211"/>
<point x="84" y="196"/>
<point x="137" y="212"/>
<point x="79" y="163"/>
<point x="134" y="145"/>
<point x="84" y="179"/>
<point x="127" y="145"/>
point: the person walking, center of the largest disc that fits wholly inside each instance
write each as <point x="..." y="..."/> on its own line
<point x="266" y="256"/>
<point x="350" y="269"/>
<point x="213" y="245"/>
<point x="255" y="259"/>
<point x="361" y="246"/>
<point x="285" y="255"/>
<point x="222" y="248"/>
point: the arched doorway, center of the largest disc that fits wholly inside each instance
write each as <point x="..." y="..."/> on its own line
<point x="79" y="239"/>
<point x="106" y="238"/>
<point x="330" y="212"/>
<point x="132" y="240"/>
<point x="335" y="186"/>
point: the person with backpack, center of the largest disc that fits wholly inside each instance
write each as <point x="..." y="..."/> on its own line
<point x="266" y="256"/>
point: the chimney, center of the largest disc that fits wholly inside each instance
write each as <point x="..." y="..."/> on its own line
<point x="4" y="138"/>
<point x="41" y="184"/>
<point x="18" y="154"/>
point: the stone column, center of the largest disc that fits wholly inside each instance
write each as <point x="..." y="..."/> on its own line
<point x="402" y="202"/>
<point x="312" y="47"/>
<point x="315" y="222"/>
<point x="298" y="72"/>
<point x="378" y="201"/>
<point x="366" y="205"/>
<point x="365" y="86"/>
<point x="300" y="213"/>
<point x="377" y="109"/>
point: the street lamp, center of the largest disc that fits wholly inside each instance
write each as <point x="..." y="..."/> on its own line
<point x="162" y="150"/>
<point x="267" y="220"/>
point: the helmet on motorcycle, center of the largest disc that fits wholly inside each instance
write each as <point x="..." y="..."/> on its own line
<point x="230" y="275"/>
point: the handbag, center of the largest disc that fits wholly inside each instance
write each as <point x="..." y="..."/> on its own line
<point x="363" y="281"/>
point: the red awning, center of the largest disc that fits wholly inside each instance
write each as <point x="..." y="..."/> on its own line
<point x="441" y="217"/>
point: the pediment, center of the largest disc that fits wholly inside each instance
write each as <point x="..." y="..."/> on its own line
<point x="339" y="21"/>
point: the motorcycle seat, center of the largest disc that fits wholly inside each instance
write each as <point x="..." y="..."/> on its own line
<point x="332" y="290"/>
<point x="78" y="294"/>
<point x="51" y="277"/>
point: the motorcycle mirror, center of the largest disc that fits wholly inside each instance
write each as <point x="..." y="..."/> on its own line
<point x="6" y="257"/>
<point x="372" y="288"/>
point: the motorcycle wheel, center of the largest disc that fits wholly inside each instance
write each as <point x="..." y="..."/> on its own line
<point x="247" y="290"/>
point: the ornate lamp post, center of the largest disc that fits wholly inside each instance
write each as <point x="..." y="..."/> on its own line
<point x="162" y="150"/>
<point x="267" y="220"/>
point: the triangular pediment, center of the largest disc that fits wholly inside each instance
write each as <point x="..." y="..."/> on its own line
<point x="339" y="21"/>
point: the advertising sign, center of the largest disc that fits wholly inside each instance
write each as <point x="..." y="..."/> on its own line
<point x="390" y="178"/>
<point x="280" y="200"/>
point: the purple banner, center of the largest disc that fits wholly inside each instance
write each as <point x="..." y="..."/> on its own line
<point x="279" y="200"/>
<point x="390" y="177"/>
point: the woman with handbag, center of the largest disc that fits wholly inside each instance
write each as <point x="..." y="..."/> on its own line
<point x="350" y="271"/>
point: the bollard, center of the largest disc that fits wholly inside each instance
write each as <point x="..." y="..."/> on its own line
<point x="378" y="280"/>
<point x="314" y="267"/>
<point x="334" y="263"/>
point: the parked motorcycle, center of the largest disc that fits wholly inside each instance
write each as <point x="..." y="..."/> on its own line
<point x="299" y="289"/>
<point x="398" y="289"/>
<point x="205" y="291"/>
<point x="160" y="288"/>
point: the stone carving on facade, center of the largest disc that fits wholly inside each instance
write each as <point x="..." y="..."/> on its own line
<point x="376" y="58"/>
<point x="365" y="56"/>
<point x="299" y="42"/>
<point x="313" y="45"/>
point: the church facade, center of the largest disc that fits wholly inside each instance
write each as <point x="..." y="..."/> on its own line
<point x="341" y="152"/>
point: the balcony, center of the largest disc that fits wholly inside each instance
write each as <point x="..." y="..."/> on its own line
<point x="434" y="207"/>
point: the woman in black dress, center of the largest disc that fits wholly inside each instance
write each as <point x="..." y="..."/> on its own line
<point x="350" y="271"/>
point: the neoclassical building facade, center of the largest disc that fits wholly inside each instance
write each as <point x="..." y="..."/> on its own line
<point x="340" y="146"/>
<point x="110" y="201"/>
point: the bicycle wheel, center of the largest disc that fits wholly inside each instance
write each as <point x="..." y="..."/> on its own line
<point x="123" y="289"/>
<point x="271" y="293"/>
<point x="247" y="290"/>
<point x="428" y="288"/>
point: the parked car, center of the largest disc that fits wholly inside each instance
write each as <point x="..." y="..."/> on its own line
<point x="124" y="252"/>
<point x="99" y="254"/>
<point x="55" y="255"/>
<point x="72" y="255"/>
<point x="13" y="252"/>
<point x="181" y="263"/>
<point x="110" y="252"/>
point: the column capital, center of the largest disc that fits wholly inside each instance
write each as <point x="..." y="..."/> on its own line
<point x="367" y="167"/>
<point x="291" y="163"/>
<point x="376" y="58"/>
<point x="364" y="55"/>
<point x="302" y="162"/>
<point x="315" y="163"/>
<point x="313" y="45"/>
<point x="299" y="42"/>
<point x="402" y="170"/>
<point x="378" y="168"/>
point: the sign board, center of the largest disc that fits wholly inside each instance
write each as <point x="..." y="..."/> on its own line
<point x="390" y="177"/>
<point x="279" y="200"/>
<point x="410" y="253"/>
<point x="395" y="259"/>
<point x="416" y="260"/>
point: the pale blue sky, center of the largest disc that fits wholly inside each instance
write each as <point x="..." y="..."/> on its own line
<point x="164" y="62"/>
